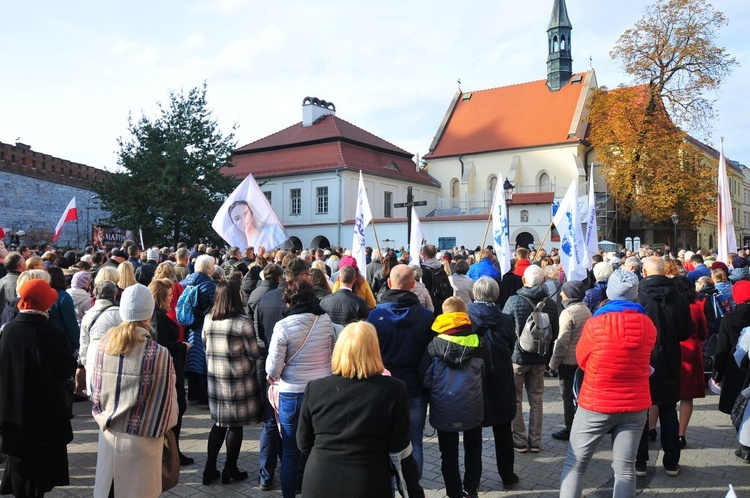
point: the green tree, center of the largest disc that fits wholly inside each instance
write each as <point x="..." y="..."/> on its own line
<point x="170" y="183"/>
<point x="649" y="162"/>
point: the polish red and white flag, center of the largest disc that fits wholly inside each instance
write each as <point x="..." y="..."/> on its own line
<point x="70" y="214"/>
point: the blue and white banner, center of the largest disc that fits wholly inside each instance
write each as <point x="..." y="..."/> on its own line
<point x="362" y="218"/>
<point x="246" y="219"/>
<point x="726" y="242"/>
<point x="592" y="238"/>
<point x="500" y="230"/>
<point x="568" y="224"/>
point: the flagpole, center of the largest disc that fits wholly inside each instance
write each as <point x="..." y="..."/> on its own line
<point x="489" y="219"/>
<point x="78" y="236"/>
<point x="541" y="244"/>
<point x="377" y="241"/>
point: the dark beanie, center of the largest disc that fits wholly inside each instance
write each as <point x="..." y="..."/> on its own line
<point x="573" y="289"/>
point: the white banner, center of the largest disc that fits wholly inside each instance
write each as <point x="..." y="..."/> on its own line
<point x="247" y="219"/>
<point x="362" y="218"/>
<point x="500" y="234"/>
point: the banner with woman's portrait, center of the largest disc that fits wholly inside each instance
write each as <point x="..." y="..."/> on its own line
<point x="247" y="219"/>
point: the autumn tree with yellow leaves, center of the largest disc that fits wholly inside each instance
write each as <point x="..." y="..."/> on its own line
<point x="640" y="131"/>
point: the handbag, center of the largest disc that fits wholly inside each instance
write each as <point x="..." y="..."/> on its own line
<point x="740" y="405"/>
<point x="170" y="462"/>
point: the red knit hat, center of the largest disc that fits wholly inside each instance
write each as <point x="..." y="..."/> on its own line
<point x="741" y="291"/>
<point x="38" y="295"/>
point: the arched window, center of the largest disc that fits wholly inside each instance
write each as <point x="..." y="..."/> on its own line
<point x="492" y="186"/>
<point x="554" y="43"/>
<point x="454" y="192"/>
<point x="524" y="216"/>
<point x="543" y="182"/>
<point x="562" y="43"/>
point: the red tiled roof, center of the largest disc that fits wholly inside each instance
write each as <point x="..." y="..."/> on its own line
<point x="533" y="198"/>
<point x="510" y="117"/>
<point x="326" y="128"/>
<point x="326" y="156"/>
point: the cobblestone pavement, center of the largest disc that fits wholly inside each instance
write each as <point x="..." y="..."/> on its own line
<point x="708" y="463"/>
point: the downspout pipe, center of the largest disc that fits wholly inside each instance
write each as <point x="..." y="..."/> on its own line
<point x="338" y="224"/>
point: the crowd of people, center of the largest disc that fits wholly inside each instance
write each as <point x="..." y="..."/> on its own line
<point x="342" y="366"/>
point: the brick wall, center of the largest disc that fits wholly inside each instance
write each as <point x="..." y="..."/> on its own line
<point x="36" y="189"/>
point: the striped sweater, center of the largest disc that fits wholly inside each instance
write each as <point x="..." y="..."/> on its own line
<point x="135" y="393"/>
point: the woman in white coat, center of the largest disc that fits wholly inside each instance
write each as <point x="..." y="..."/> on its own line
<point x="103" y="316"/>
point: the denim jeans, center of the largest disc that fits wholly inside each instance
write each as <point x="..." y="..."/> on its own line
<point x="289" y="409"/>
<point x="589" y="428"/>
<point x="417" y="418"/>
<point x="448" y="442"/>
<point x="270" y="444"/>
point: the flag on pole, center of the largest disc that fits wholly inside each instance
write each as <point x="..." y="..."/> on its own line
<point x="725" y="222"/>
<point x="415" y="237"/>
<point x="592" y="242"/>
<point x="70" y="214"/>
<point x="362" y="218"/>
<point x="568" y="224"/>
<point x="143" y="246"/>
<point x="500" y="235"/>
<point x="247" y="219"/>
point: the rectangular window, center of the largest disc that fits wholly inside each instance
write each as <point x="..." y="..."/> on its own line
<point x="268" y="195"/>
<point x="295" y="195"/>
<point x="321" y="194"/>
<point x="387" y="204"/>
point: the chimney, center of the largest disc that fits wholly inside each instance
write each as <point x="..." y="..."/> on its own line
<point x="313" y="109"/>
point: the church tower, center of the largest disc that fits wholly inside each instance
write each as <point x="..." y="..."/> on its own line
<point x="559" y="60"/>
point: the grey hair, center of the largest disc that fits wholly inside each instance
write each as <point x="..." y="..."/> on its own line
<point x="106" y="289"/>
<point x="533" y="276"/>
<point x="205" y="264"/>
<point x="634" y="263"/>
<point x="486" y="290"/>
<point x="417" y="271"/>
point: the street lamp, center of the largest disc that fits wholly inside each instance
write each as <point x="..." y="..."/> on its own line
<point x="89" y="234"/>
<point x="675" y="220"/>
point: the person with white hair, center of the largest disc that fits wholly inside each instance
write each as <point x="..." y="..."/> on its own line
<point x="598" y="292"/>
<point x="528" y="367"/>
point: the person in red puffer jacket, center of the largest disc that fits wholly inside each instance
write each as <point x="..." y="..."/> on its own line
<point x="614" y="351"/>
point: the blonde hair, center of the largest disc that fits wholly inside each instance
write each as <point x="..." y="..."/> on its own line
<point x="319" y="264"/>
<point x="32" y="275"/>
<point x="357" y="352"/>
<point x="454" y="305"/>
<point x="127" y="275"/>
<point x="123" y="338"/>
<point x="159" y="288"/>
<point x="165" y="270"/>
<point x="107" y="273"/>
<point x="34" y="261"/>
<point x="446" y="267"/>
<point x="718" y="275"/>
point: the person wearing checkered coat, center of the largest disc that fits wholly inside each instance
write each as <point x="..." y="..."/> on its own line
<point x="233" y="391"/>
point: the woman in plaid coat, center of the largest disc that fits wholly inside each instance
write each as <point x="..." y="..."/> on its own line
<point x="233" y="391"/>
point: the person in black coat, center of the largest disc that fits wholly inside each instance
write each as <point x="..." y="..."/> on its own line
<point x="167" y="333"/>
<point x="496" y="331"/>
<point x="344" y="306"/>
<point x="732" y="377"/>
<point x="351" y="421"/>
<point x="272" y="274"/>
<point x="670" y="312"/>
<point x="35" y="362"/>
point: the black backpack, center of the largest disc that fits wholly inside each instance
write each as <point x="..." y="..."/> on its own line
<point x="229" y="268"/>
<point x="438" y="284"/>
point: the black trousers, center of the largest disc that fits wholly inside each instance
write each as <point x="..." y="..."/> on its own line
<point x="670" y="443"/>
<point x="448" y="443"/>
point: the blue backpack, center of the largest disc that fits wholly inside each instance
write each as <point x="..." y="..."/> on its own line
<point x="186" y="305"/>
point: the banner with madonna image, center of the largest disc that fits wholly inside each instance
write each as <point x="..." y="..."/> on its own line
<point x="246" y="219"/>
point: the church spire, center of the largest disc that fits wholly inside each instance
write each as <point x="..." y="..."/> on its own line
<point x="559" y="59"/>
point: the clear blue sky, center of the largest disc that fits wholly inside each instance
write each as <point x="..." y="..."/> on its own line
<point x="73" y="71"/>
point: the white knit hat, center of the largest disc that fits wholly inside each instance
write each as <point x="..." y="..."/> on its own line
<point x="153" y="254"/>
<point x="136" y="304"/>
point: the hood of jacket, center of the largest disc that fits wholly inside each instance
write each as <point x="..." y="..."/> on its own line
<point x="451" y="323"/>
<point x="196" y="278"/>
<point x="304" y="307"/>
<point x="534" y="293"/>
<point x="658" y="288"/>
<point x="521" y="266"/>
<point x="455" y="350"/>
<point x="571" y="302"/>
<point x="619" y="305"/>
<point x="402" y="307"/>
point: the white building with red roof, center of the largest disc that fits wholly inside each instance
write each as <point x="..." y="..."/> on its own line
<point x="310" y="173"/>
<point x="534" y="134"/>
